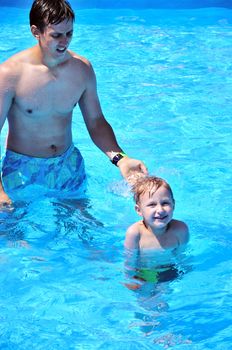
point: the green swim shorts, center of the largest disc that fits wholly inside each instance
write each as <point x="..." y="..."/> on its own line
<point x="163" y="274"/>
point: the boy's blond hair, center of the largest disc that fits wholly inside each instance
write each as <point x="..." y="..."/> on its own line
<point x="149" y="184"/>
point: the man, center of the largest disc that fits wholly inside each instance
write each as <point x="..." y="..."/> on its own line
<point x="39" y="88"/>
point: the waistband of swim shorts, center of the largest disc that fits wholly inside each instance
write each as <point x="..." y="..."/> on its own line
<point x="18" y="156"/>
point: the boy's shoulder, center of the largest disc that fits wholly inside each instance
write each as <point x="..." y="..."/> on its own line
<point x="135" y="228"/>
<point x="180" y="230"/>
<point x="133" y="234"/>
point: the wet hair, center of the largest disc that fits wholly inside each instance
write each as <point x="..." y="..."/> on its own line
<point x="44" y="12"/>
<point x="149" y="184"/>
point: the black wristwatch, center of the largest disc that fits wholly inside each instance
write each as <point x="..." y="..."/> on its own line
<point x="117" y="158"/>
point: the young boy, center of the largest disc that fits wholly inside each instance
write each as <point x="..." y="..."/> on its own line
<point x="157" y="236"/>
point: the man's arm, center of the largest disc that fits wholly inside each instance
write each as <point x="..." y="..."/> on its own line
<point x="100" y="130"/>
<point x="6" y="98"/>
<point x="4" y="198"/>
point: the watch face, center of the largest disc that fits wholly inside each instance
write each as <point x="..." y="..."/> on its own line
<point x="116" y="158"/>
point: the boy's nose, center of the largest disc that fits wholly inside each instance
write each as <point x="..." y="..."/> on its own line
<point x="159" y="208"/>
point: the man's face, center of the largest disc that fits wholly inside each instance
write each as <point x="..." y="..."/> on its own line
<point x="55" y="39"/>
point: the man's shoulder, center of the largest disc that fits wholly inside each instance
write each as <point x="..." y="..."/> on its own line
<point x="83" y="67"/>
<point x="13" y="65"/>
<point x="8" y="72"/>
<point x="79" y="60"/>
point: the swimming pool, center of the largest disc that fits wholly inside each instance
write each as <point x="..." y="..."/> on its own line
<point x="164" y="80"/>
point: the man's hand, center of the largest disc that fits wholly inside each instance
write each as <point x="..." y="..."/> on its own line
<point x="5" y="201"/>
<point x="131" y="169"/>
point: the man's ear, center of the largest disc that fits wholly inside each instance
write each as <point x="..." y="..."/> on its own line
<point x="35" y="32"/>
<point x="138" y="211"/>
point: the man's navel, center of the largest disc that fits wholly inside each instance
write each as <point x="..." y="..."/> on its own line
<point x="54" y="148"/>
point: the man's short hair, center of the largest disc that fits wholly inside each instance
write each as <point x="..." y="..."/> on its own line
<point x="44" y="12"/>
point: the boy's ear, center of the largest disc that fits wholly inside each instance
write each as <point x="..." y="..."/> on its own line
<point x="35" y="31"/>
<point x="138" y="211"/>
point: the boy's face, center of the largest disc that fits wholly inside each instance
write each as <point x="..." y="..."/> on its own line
<point x="156" y="208"/>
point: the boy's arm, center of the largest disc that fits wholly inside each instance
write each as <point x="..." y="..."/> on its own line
<point x="182" y="233"/>
<point x="132" y="248"/>
<point x="131" y="254"/>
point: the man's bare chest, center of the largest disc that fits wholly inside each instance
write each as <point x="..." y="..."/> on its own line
<point x="46" y="93"/>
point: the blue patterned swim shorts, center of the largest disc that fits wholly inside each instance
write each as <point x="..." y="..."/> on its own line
<point x="65" y="173"/>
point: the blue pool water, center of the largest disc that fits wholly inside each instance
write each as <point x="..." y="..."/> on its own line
<point x="165" y="82"/>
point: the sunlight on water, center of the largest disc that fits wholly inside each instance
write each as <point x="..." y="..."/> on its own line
<point x="164" y="80"/>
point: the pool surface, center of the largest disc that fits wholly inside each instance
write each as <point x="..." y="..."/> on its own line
<point x="165" y="82"/>
<point x="104" y="4"/>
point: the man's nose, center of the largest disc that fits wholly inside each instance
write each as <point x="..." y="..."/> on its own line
<point x="64" y="40"/>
